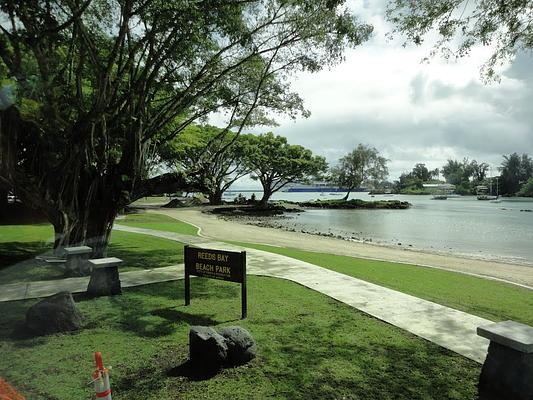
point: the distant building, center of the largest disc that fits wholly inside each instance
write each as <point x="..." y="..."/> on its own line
<point x="439" y="186"/>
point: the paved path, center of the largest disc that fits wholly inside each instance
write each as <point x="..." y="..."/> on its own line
<point x="32" y="290"/>
<point x="452" y="329"/>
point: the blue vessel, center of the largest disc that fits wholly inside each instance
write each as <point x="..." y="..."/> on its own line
<point x="313" y="187"/>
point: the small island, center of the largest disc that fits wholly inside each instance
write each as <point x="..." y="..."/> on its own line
<point x="355" y="204"/>
<point x="254" y="209"/>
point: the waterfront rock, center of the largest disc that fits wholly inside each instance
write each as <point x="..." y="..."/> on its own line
<point x="241" y="345"/>
<point x="54" y="314"/>
<point x="184" y="202"/>
<point x="207" y="349"/>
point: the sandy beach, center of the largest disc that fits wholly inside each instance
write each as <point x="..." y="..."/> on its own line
<point x="213" y="227"/>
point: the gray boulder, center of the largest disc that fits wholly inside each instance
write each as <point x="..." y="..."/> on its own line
<point x="207" y="348"/>
<point x="241" y="346"/>
<point x="54" y="314"/>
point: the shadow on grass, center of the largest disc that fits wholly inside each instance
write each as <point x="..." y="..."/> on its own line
<point x="191" y="371"/>
<point x="138" y="257"/>
<point x="310" y="350"/>
<point x="301" y="363"/>
<point x="150" y="313"/>
<point x="16" y="252"/>
<point x="173" y="315"/>
<point x="312" y="358"/>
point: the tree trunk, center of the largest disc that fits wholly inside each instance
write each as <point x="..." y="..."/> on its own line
<point x="215" y="198"/>
<point x="76" y="183"/>
<point x="84" y="218"/>
<point x="3" y="203"/>
<point x="263" y="203"/>
<point x="93" y="230"/>
<point x="347" y="195"/>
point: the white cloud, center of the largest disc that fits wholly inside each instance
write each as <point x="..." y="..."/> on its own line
<point x="383" y="95"/>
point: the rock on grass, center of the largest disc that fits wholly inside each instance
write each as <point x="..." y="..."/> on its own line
<point x="54" y="314"/>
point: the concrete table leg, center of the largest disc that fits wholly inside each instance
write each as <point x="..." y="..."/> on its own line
<point x="104" y="282"/>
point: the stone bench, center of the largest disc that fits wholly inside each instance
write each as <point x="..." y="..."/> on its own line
<point x="77" y="250"/>
<point x="508" y="370"/>
<point x="76" y="260"/>
<point x="51" y="259"/>
<point x="105" y="280"/>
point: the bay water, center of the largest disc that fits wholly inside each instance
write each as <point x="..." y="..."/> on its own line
<point x="464" y="226"/>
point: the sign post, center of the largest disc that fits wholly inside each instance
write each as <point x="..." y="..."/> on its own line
<point x="216" y="264"/>
<point x="244" y="303"/>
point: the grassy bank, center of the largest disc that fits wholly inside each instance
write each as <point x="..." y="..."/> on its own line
<point x="152" y="200"/>
<point x="489" y="299"/>
<point x="158" y="222"/>
<point x="19" y="244"/>
<point x="310" y="347"/>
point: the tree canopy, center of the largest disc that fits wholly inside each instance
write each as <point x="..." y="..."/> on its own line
<point x="462" y="24"/>
<point x="208" y="156"/>
<point x="92" y="87"/>
<point x="413" y="182"/>
<point x="515" y="172"/>
<point x="275" y="163"/>
<point x="364" y="163"/>
<point x="527" y="189"/>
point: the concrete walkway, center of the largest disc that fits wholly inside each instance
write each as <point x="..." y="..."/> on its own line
<point x="36" y="289"/>
<point x="449" y="328"/>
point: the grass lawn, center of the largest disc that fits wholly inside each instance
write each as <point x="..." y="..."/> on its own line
<point x="489" y="299"/>
<point x="152" y="200"/>
<point x="310" y="347"/>
<point x="158" y="222"/>
<point x="19" y="244"/>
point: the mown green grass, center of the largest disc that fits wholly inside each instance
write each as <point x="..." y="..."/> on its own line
<point x="310" y="347"/>
<point x="151" y="200"/>
<point x="489" y="299"/>
<point x="158" y="222"/>
<point x="19" y="244"/>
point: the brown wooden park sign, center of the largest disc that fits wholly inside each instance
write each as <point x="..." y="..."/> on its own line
<point x="215" y="264"/>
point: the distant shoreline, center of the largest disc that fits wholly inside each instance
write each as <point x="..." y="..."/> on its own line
<point x="273" y="222"/>
<point x="233" y="230"/>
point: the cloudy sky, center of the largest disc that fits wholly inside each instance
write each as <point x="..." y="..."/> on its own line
<point x="384" y="96"/>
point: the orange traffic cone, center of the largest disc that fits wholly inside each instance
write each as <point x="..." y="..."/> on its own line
<point x="8" y="393"/>
<point x="101" y="379"/>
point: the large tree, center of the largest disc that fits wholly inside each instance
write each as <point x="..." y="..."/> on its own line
<point x="479" y="171"/>
<point x="361" y="165"/>
<point x="527" y="189"/>
<point x="275" y="163"/>
<point x="421" y="172"/>
<point x="208" y="156"/>
<point x="93" y="86"/>
<point x="461" y="24"/>
<point x="459" y="172"/>
<point x="515" y="171"/>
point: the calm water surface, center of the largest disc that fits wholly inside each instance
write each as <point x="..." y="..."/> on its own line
<point x="462" y="226"/>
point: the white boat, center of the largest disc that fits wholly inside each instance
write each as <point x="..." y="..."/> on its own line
<point x="485" y="193"/>
<point x="444" y="190"/>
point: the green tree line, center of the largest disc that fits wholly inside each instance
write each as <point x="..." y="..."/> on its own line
<point x="515" y="176"/>
<point x="214" y="159"/>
